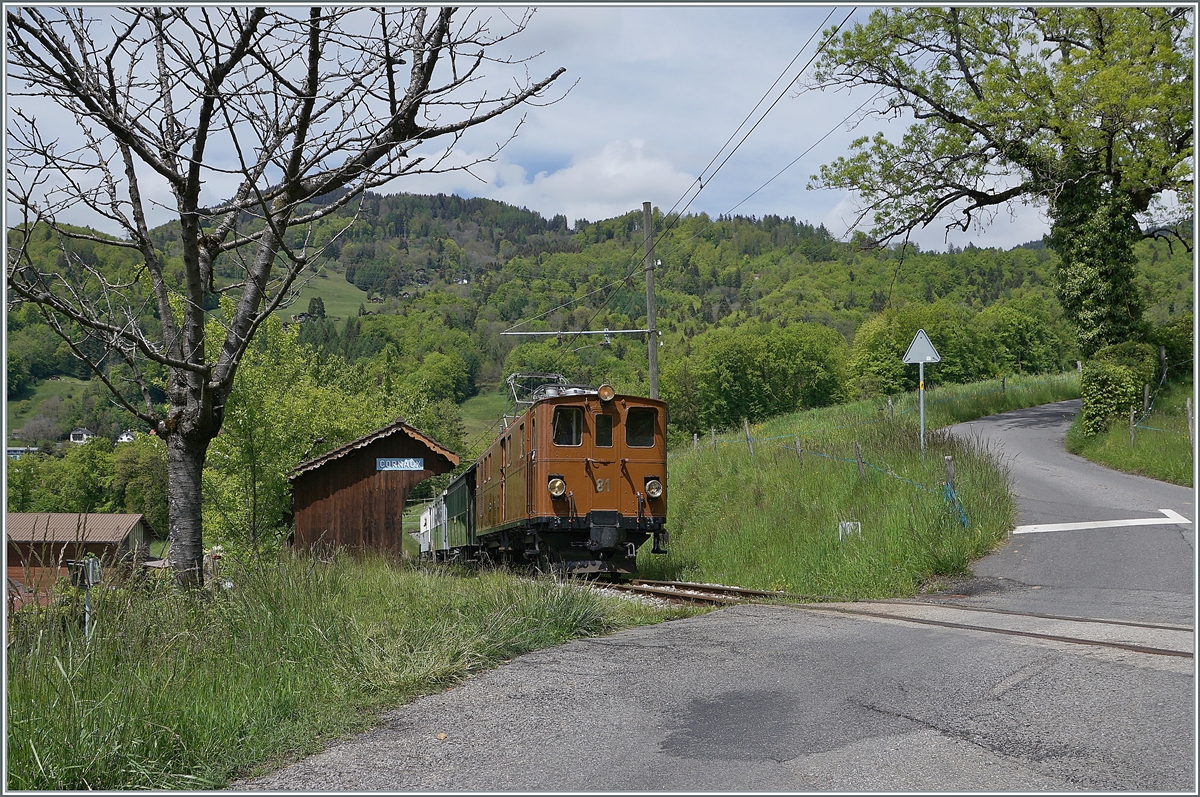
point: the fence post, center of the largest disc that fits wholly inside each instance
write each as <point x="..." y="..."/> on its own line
<point x="749" y="442"/>
<point x="712" y="434"/>
<point x="950" y="472"/>
<point x="862" y="474"/>
<point x="1132" y="412"/>
<point x="1189" y="420"/>
<point x="1162" y="362"/>
<point x="1145" y="398"/>
<point x="799" y="453"/>
<point x="1079" y="367"/>
<point x="1003" y="384"/>
<point x="695" y="441"/>
<point x="891" y="416"/>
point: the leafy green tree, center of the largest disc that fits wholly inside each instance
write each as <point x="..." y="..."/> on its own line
<point x="754" y="372"/>
<point x="316" y="307"/>
<point x="24" y="475"/>
<point x="289" y="406"/>
<point x="876" y="365"/>
<point x="18" y="377"/>
<point x="544" y="358"/>
<point x="139" y="480"/>
<point x="84" y="477"/>
<point x="1022" y="337"/>
<point x="80" y="481"/>
<point x="1087" y="110"/>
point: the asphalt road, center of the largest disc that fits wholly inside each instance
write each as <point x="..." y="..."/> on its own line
<point x="757" y="698"/>
<point x="1124" y="572"/>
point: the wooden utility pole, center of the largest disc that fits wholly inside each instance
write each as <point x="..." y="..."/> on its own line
<point x="652" y="333"/>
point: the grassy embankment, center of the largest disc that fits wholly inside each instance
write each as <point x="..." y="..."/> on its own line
<point x="1161" y="449"/>
<point x="179" y="690"/>
<point x="20" y="410"/>
<point x="771" y="520"/>
<point x="341" y="299"/>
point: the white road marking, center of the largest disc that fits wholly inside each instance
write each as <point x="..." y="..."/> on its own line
<point x="1171" y="517"/>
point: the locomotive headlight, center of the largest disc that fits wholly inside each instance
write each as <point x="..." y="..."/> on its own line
<point x="654" y="488"/>
<point x="557" y="487"/>
<point x="606" y="393"/>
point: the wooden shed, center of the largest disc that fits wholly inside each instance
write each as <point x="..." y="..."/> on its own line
<point x="354" y="496"/>
<point x="39" y="544"/>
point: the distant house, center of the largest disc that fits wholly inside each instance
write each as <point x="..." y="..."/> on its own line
<point x="40" y="544"/>
<point x="354" y="496"/>
<point x="81" y="435"/>
<point x="125" y="436"/>
<point x="15" y="452"/>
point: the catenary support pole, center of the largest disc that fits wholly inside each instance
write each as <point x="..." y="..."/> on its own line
<point x="652" y="331"/>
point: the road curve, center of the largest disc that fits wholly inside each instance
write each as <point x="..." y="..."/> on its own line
<point x="1137" y="572"/>
<point x="894" y="697"/>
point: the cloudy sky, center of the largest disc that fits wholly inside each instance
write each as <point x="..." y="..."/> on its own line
<point x="655" y="92"/>
<point x="659" y="91"/>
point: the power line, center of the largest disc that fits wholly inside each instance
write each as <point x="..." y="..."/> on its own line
<point x="672" y="217"/>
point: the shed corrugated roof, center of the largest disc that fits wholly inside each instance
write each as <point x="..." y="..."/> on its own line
<point x="71" y="526"/>
<point x="398" y="426"/>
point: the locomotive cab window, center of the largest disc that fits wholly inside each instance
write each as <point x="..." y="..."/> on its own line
<point x="604" y="429"/>
<point x="639" y="427"/>
<point x="568" y="426"/>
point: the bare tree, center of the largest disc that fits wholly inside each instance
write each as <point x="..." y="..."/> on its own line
<point x="279" y="108"/>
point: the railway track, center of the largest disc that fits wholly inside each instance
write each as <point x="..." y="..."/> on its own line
<point x="1159" y="639"/>
<point x="1151" y="638"/>
<point x="685" y="592"/>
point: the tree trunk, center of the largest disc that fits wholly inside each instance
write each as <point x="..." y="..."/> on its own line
<point x="185" y="464"/>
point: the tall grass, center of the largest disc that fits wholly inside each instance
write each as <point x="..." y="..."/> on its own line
<point x="1161" y="448"/>
<point x="771" y="520"/>
<point x="187" y="690"/>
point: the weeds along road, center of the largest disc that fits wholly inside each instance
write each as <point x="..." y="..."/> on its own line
<point x="936" y="694"/>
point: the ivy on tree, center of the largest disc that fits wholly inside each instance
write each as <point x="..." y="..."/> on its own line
<point x="1087" y="111"/>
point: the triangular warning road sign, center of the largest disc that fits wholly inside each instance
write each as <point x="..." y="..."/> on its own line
<point x="921" y="350"/>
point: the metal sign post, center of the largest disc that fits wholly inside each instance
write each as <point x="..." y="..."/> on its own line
<point x="86" y="573"/>
<point x="921" y="351"/>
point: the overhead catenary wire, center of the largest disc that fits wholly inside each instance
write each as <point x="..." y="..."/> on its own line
<point x="674" y="214"/>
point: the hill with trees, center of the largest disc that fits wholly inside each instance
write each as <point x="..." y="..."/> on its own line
<point x="758" y="316"/>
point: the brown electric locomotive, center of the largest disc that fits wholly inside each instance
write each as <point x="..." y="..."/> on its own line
<point x="576" y="482"/>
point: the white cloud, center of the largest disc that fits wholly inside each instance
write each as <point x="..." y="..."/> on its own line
<point x="660" y="89"/>
<point x="599" y="185"/>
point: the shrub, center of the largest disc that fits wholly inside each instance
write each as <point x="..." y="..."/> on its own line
<point x="1177" y="336"/>
<point x="754" y="372"/>
<point x="1139" y="358"/>
<point x="1108" y="391"/>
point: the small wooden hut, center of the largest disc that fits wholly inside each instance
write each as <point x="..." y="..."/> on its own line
<point x="40" y="544"/>
<point x="354" y="496"/>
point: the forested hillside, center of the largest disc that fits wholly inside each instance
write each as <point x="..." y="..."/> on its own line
<point x="757" y="316"/>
